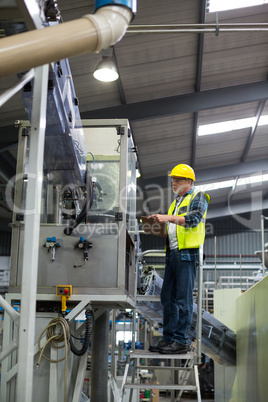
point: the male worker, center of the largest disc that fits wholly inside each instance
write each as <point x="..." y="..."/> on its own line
<point x="186" y="231"/>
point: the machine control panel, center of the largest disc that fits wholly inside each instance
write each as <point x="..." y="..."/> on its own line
<point x="64" y="290"/>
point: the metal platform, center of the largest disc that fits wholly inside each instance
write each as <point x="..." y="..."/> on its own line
<point x="105" y="301"/>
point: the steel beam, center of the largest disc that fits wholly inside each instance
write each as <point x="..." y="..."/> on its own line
<point x="253" y="131"/>
<point x="234" y="210"/>
<point x="215" y="174"/>
<point x="198" y="76"/>
<point x="181" y="104"/>
<point x="227" y="171"/>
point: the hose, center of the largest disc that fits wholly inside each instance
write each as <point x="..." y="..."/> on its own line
<point x="89" y="326"/>
<point x="87" y="205"/>
<point x="60" y="338"/>
<point x="57" y="340"/>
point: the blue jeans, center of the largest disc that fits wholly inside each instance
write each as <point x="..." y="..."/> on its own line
<point x="177" y="297"/>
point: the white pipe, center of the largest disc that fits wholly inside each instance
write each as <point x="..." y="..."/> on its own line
<point x="111" y="23"/>
<point x="91" y="33"/>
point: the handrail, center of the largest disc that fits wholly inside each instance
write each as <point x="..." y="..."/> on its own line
<point x="199" y="305"/>
<point x="16" y="318"/>
<point x="9" y="310"/>
<point x="137" y="266"/>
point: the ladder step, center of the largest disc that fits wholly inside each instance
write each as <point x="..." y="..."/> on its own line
<point x="164" y="368"/>
<point x="146" y="354"/>
<point x="158" y="386"/>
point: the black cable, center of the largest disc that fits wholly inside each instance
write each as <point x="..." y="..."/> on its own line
<point x="89" y="324"/>
<point x="87" y="205"/>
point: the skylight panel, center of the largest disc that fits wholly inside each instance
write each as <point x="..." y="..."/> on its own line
<point x="231" y="125"/>
<point x="250" y="180"/>
<point x="225" y="126"/>
<point x="221" y="5"/>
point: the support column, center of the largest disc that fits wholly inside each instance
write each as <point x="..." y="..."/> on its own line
<point x="31" y="243"/>
<point x="99" y="359"/>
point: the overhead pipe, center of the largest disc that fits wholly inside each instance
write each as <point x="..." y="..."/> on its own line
<point x="198" y="28"/>
<point x="201" y="25"/>
<point x="91" y="33"/>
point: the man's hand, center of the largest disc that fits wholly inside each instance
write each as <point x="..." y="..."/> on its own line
<point x="160" y="218"/>
<point x="178" y="220"/>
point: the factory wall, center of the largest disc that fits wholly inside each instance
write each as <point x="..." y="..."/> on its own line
<point x="225" y="311"/>
<point x="252" y="337"/>
<point x="245" y="243"/>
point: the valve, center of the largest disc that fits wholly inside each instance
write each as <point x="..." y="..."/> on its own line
<point x="83" y="245"/>
<point x="51" y="244"/>
<point x="64" y="291"/>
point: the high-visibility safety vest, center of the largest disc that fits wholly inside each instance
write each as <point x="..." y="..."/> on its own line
<point x="189" y="237"/>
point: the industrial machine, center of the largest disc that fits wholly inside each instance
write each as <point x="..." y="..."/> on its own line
<point x="87" y="231"/>
<point x="86" y="244"/>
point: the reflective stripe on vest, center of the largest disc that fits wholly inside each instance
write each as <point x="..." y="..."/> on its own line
<point x="189" y="237"/>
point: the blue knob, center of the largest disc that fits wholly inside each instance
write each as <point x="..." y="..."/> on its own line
<point x="48" y="238"/>
<point x="82" y="238"/>
<point x="53" y="238"/>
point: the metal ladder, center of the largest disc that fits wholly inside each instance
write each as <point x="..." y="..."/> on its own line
<point x="193" y="357"/>
<point x="188" y="366"/>
<point x="135" y="355"/>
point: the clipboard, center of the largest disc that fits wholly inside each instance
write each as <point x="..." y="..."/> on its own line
<point x="150" y="226"/>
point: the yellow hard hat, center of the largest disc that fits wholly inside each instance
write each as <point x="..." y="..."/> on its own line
<point x="183" y="170"/>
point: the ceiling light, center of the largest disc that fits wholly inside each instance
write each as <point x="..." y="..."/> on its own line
<point x="106" y="70"/>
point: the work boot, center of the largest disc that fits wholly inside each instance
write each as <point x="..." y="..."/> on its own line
<point x="158" y="346"/>
<point x="173" y="347"/>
